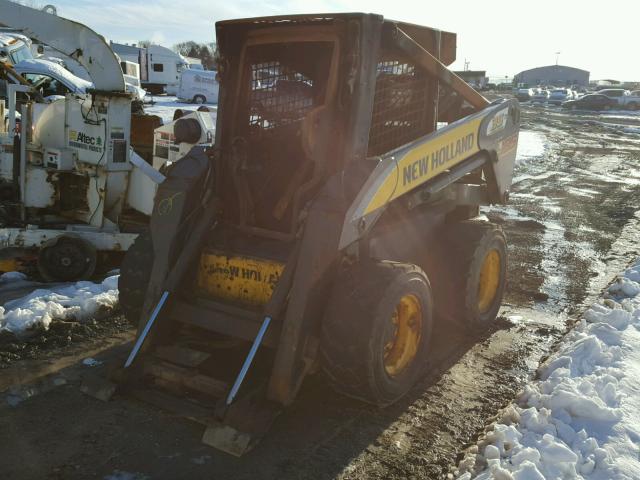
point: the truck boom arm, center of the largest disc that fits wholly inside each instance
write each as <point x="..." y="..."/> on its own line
<point x="71" y="38"/>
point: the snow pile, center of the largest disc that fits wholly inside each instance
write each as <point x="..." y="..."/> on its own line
<point x="635" y="130"/>
<point x="165" y="107"/>
<point x="10" y="277"/>
<point x="580" y="419"/>
<point x="78" y="301"/>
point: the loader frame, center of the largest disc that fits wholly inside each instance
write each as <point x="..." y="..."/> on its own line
<point x="358" y="194"/>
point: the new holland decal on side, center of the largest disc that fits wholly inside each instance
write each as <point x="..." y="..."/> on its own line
<point x="421" y="167"/>
<point x="424" y="162"/>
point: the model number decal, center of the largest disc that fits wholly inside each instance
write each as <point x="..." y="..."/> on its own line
<point x="498" y="122"/>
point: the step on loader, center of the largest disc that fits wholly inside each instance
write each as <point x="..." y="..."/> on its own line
<point x="333" y="222"/>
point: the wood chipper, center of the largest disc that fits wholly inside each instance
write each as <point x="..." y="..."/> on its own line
<point x="333" y="222"/>
<point x="79" y="171"/>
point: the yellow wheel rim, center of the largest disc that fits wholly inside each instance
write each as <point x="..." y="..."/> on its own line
<point x="489" y="281"/>
<point x="400" y="351"/>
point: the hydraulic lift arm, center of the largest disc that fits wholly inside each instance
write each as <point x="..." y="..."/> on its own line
<point x="436" y="68"/>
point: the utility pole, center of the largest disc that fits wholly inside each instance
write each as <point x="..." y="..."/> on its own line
<point x="557" y="58"/>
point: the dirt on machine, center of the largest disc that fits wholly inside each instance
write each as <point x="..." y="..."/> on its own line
<point x="333" y="222"/>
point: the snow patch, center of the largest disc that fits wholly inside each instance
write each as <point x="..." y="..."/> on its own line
<point x="120" y="475"/>
<point x="11" y="277"/>
<point x="78" y="301"/>
<point x="531" y="145"/>
<point x="579" y="419"/>
<point x="165" y="106"/>
<point x="91" y="362"/>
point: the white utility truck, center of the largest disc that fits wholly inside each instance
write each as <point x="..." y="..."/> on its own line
<point x="198" y="86"/>
<point x="72" y="190"/>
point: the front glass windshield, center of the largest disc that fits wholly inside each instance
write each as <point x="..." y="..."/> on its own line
<point x="20" y="54"/>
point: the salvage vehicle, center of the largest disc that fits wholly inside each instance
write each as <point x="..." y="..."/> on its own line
<point x="51" y="78"/>
<point x="623" y="97"/>
<point x="541" y="95"/>
<point x="593" y="101"/>
<point x="525" y="94"/>
<point x="130" y="70"/>
<point x="14" y="47"/>
<point x="332" y="224"/>
<point x="560" y="95"/>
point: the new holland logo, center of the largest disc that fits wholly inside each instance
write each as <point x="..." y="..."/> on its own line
<point x="85" y="142"/>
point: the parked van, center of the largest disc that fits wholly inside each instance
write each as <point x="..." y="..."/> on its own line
<point x="198" y="86"/>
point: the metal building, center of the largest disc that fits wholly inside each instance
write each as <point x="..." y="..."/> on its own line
<point x="556" y="75"/>
<point x="475" y="78"/>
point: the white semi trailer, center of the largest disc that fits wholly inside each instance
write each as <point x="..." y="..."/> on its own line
<point x="160" y="67"/>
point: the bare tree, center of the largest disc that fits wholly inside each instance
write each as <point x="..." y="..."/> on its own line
<point x="204" y="51"/>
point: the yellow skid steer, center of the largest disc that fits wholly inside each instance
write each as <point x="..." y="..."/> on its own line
<point x="333" y="222"/>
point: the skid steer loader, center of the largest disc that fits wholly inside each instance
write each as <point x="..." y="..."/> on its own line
<point x="333" y="222"/>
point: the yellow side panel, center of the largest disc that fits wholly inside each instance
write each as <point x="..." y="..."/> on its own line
<point x="427" y="161"/>
<point x="246" y="280"/>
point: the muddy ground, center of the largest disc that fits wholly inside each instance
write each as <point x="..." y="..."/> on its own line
<point x="572" y="224"/>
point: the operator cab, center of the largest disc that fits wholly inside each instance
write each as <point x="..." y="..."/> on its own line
<point x="285" y="88"/>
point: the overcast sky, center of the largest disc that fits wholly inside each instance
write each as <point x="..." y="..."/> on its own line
<point x="500" y="36"/>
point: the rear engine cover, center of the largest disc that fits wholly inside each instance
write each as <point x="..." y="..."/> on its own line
<point x="239" y="279"/>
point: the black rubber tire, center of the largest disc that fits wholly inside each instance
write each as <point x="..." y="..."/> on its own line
<point x="67" y="248"/>
<point x="455" y="286"/>
<point x="356" y="326"/>
<point x="135" y="271"/>
<point x="199" y="99"/>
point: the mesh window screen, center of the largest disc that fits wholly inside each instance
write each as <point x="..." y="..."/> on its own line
<point x="280" y="93"/>
<point x="399" y="109"/>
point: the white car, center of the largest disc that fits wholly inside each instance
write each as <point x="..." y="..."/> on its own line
<point x="53" y="79"/>
<point x="524" y="94"/>
<point x="50" y="78"/>
<point x="560" y="95"/>
<point x="625" y="98"/>
<point x="540" y="96"/>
